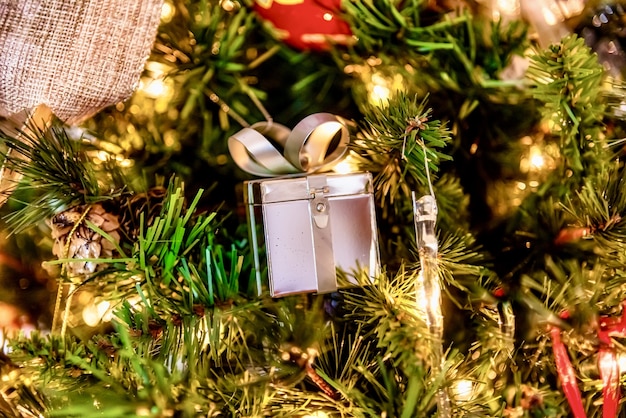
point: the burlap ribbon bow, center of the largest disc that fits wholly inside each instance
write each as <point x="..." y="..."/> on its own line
<point x="74" y="56"/>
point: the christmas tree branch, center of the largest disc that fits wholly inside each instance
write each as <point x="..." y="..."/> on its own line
<point x="598" y="210"/>
<point x="403" y="146"/>
<point x="57" y="174"/>
<point x="568" y="78"/>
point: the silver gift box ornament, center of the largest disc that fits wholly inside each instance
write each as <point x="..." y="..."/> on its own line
<point x="305" y="228"/>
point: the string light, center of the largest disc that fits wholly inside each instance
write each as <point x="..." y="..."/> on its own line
<point x="381" y="88"/>
<point x="155" y="85"/>
<point x="229" y="5"/>
<point x="153" y="88"/>
<point x="102" y="156"/>
<point x="537" y="160"/>
<point x="167" y="12"/>
<point x="316" y="414"/>
<point x="96" y="313"/>
<point x="379" y="91"/>
<point x="347" y="165"/>
<point x="463" y="390"/>
<point x="379" y="85"/>
<point x="428" y="301"/>
<point x="539" y="157"/>
<point x="427" y="285"/>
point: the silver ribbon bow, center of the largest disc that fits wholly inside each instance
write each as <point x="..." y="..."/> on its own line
<point x="315" y="144"/>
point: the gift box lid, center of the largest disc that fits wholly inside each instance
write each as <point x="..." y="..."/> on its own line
<point x="291" y="188"/>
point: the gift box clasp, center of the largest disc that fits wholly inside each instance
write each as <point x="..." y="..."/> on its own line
<point x="319" y="206"/>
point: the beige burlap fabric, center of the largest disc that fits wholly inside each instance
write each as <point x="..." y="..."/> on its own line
<point x="75" y="56"/>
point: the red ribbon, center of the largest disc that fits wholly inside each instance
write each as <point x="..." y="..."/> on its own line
<point x="609" y="372"/>
<point x="566" y="374"/>
<point x="608" y="365"/>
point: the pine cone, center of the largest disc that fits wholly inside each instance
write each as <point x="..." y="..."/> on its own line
<point x="84" y="243"/>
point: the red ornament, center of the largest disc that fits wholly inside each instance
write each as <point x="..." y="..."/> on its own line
<point x="306" y="24"/>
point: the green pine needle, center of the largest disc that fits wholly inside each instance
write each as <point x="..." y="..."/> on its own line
<point x="388" y="309"/>
<point x="567" y="78"/>
<point x="461" y="262"/>
<point x="56" y="174"/>
<point x="600" y="207"/>
<point x="403" y="146"/>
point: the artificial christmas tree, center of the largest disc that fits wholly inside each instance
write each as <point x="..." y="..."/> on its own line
<point x="497" y="182"/>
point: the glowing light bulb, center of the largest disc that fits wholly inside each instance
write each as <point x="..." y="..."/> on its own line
<point x="463" y="390"/>
<point x="154" y="88"/>
<point x="125" y="162"/>
<point x="154" y="85"/>
<point x="428" y="301"/>
<point x="379" y="92"/>
<point x="348" y="165"/>
<point x="316" y="414"/>
<point x="143" y="411"/>
<point x="90" y="315"/>
<point x="103" y="155"/>
<point x="167" y="12"/>
<point x="537" y="160"/>
<point x="95" y="313"/>
<point x="381" y="88"/>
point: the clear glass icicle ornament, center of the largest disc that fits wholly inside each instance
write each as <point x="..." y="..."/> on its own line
<point x="428" y="287"/>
